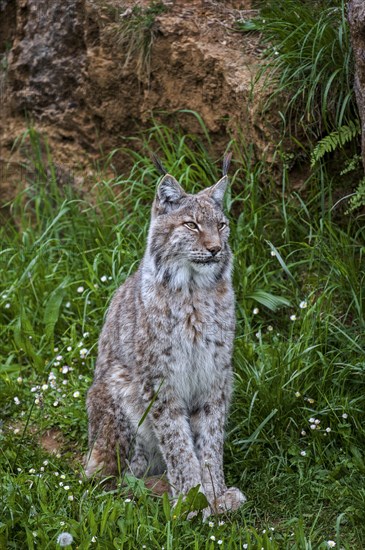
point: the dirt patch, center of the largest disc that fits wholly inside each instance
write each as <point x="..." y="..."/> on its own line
<point x="52" y="441"/>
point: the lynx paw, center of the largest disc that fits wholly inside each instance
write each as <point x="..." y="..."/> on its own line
<point x="230" y="500"/>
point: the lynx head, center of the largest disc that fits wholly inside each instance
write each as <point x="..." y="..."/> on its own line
<point x="188" y="236"/>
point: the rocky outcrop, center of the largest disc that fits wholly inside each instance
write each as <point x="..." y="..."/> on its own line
<point x="75" y="69"/>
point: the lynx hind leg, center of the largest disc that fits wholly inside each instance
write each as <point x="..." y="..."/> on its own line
<point x="229" y="501"/>
<point x="138" y="466"/>
<point x="109" y="433"/>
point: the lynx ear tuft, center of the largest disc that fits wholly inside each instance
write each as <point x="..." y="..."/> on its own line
<point x="158" y="164"/>
<point x="169" y="190"/>
<point x="226" y="162"/>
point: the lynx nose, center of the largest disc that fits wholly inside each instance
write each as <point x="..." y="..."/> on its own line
<point x="214" y="249"/>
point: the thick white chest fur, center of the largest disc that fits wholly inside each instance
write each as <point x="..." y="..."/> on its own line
<point x="193" y="369"/>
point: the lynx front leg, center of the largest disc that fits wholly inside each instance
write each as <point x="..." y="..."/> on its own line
<point x="208" y="428"/>
<point x="174" y="436"/>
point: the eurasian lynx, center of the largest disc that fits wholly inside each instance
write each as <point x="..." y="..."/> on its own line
<point x="166" y="346"/>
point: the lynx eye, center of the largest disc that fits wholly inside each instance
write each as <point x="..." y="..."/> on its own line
<point x="221" y="226"/>
<point x="191" y="225"/>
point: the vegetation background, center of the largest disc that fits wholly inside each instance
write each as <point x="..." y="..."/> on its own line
<point x="295" y="438"/>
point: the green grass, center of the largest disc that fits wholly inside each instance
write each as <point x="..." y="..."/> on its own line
<point x="308" y="64"/>
<point x="134" y="32"/>
<point x="62" y="258"/>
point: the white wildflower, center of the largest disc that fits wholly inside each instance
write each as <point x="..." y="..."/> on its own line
<point x="65" y="539"/>
<point x="76" y="394"/>
<point x="303" y="304"/>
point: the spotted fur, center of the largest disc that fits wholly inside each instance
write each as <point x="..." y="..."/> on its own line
<point x="166" y="348"/>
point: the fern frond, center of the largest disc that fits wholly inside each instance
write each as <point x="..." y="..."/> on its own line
<point x="358" y="198"/>
<point x="335" y="140"/>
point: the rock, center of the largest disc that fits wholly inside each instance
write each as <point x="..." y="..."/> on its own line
<point x="73" y="70"/>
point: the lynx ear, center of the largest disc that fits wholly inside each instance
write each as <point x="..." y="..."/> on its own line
<point x="216" y="192"/>
<point x="169" y="190"/>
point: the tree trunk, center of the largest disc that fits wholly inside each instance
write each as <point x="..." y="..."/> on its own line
<point x="356" y="17"/>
